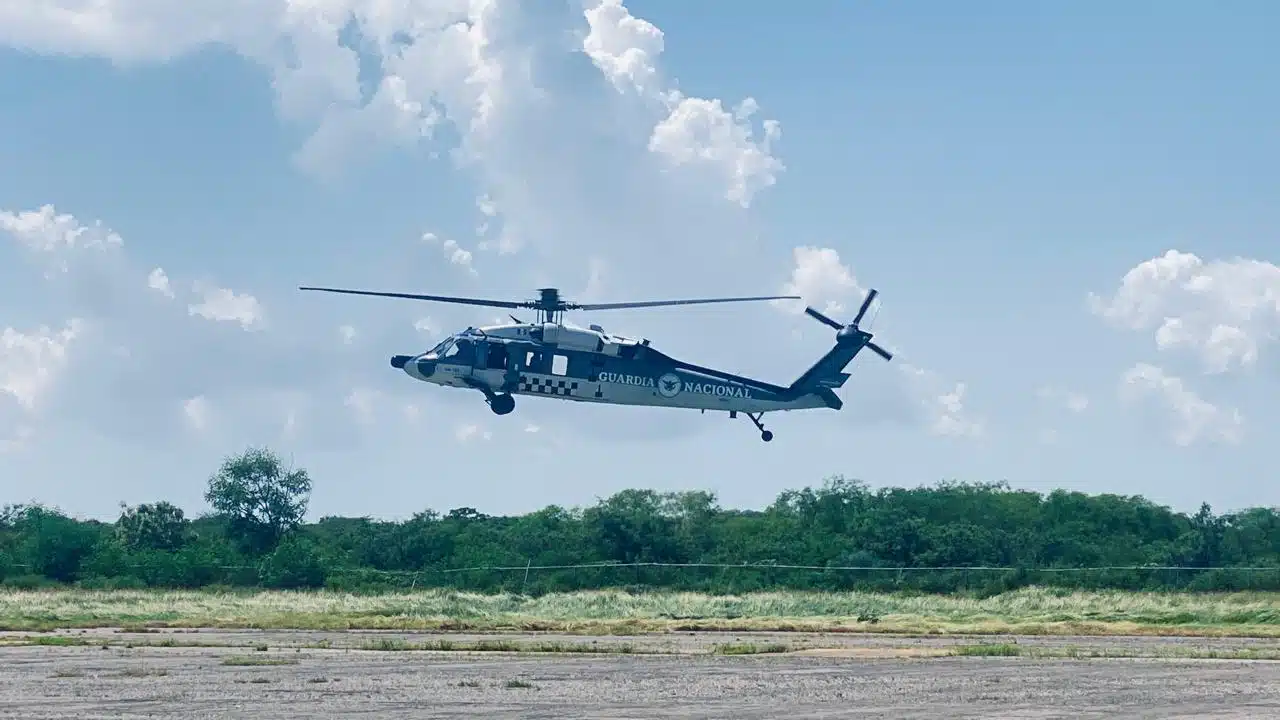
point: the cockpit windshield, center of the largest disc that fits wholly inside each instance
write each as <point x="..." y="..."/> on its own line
<point x="441" y="349"/>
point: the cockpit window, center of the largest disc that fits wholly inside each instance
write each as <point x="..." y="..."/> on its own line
<point x="442" y="348"/>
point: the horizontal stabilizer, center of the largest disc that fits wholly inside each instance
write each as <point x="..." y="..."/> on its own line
<point x="836" y="381"/>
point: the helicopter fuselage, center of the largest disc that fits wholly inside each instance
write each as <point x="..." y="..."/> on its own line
<point x="557" y="360"/>
<point x="589" y="365"/>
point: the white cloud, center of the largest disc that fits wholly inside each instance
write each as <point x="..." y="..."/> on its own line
<point x="31" y="362"/>
<point x="625" y="48"/>
<point x="621" y="171"/>
<point x="1194" y="418"/>
<point x="822" y="280"/>
<point x="950" y="417"/>
<point x="1225" y="311"/>
<point x="159" y="282"/>
<point x="696" y="132"/>
<point x="347" y="333"/>
<point x="223" y="305"/>
<point x="196" y="412"/>
<point x="941" y="404"/>
<point x="47" y="230"/>
<point x="701" y="132"/>
<point x="156" y="357"/>
<point x="467" y="63"/>
<point x="452" y="251"/>
<point x="458" y="255"/>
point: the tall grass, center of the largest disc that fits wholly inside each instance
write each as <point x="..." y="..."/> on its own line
<point x="1024" y="611"/>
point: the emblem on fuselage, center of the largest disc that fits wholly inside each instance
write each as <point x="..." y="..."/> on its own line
<point x="669" y="385"/>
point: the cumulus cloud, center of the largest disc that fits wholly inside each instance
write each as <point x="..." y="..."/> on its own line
<point x="696" y="132"/>
<point x="1192" y="417"/>
<point x="224" y="305"/>
<point x="821" y="279"/>
<point x="47" y="230"/>
<point x="1224" y="311"/>
<point x="30" y="362"/>
<point x="452" y="251"/>
<point x="586" y="155"/>
<point x="146" y="352"/>
<point x="196" y="412"/>
<point x="942" y="404"/>
<point x="159" y="282"/>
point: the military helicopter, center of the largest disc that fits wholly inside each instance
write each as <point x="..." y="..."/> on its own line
<point x="550" y="358"/>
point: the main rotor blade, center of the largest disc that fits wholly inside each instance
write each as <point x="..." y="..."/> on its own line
<point x="823" y="318"/>
<point x="865" y="304"/>
<point x="432" y="298"/>
<point x="660" y="303"/>
<point x="880" y="351"/>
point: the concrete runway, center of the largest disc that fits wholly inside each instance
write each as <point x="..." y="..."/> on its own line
<point x="829" y="676"/>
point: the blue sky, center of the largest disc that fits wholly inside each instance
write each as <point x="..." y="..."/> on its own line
<point x="1069" y="213"/>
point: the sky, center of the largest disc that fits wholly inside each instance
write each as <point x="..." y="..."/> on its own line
<point x="1069" y="212"/>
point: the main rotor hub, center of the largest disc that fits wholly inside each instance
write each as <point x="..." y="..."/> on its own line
<point x="549" y="305"/>
<point x="549" y="299"/>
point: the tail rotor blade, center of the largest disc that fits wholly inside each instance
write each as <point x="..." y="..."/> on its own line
<point x="880" y="351"/>
<point x="871" y="295"/>
<point x="823" y="318"/>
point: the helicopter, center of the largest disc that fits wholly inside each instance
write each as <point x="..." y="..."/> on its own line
<point x="554" y="359"/>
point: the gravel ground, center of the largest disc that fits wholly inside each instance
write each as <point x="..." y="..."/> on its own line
<point x="674" y="642"/>
<point x="848" y="676"/>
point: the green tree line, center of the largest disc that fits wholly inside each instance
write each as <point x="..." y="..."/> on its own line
<point x="842" y="535"/>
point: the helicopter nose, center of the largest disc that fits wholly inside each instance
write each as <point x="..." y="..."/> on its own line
<point x="419" y="368"/>
<point x="399" y="361"/>
<point x="426" y="368"/>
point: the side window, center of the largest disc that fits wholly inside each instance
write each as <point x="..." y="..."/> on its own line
<point x="528" y="359"/>
<point x="497" y="357"/>
<point x="560" y="365"/>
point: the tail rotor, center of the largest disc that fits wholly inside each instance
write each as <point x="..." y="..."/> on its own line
<point x="851" y="332"/>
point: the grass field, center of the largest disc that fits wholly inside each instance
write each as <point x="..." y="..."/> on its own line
<point x="1031" y="611"/>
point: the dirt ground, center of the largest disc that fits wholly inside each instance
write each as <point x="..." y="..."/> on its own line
<point x="114" y="675"/>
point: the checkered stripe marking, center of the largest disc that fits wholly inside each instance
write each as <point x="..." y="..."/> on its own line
<point x="548" y="386"/>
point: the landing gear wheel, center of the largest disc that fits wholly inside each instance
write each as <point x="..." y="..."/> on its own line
<point x="765" y="435"/>
<point x="502" y="404"/>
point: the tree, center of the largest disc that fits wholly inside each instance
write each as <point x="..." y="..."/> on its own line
<point x="260" y="499"/>
<point x="158" y="526"/>
<point x="53" y="544"/>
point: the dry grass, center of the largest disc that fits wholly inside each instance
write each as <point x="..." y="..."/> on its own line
<point x="1033" y="611"/>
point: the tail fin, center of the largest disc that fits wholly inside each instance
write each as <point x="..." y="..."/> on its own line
<point x="828" y="372"/>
